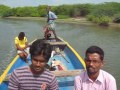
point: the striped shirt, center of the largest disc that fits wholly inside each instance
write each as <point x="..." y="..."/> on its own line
<point x="23" y="79"/>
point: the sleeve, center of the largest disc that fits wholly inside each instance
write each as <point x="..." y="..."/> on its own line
<point x="54" y="84"/>
<point x="77" y="83"/>
<point x="13" y="82"/>
<point x="54" y="16"/>
<point x="111" y="84"/>
<point x="16" y="40"/>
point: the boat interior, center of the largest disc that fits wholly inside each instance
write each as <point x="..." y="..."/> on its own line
<point x="63" y="63"/>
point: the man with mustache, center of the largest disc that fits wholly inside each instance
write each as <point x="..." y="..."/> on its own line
<point x="93" y="78"/>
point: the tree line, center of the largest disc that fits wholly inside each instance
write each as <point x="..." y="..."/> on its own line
<point x="98" y="13"/>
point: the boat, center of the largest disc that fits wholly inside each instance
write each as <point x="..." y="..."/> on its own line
<point x="66" y="63"/>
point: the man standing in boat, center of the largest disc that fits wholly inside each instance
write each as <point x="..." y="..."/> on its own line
<point x="51" y="17"/>
<point x="35" y="76"/>
<point x="93" y="78"/>
<point x="22" y="46"/>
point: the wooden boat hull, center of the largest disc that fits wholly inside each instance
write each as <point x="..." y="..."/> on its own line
<point x="69" y="63"/>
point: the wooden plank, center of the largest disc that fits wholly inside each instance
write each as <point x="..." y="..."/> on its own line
<point x="56" y="43"/>
<point x="66" y="73"/>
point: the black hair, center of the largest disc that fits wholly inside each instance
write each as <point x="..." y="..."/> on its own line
<point x="40" y="47"/>
<point x="95" y="49"/>
<point x="21" y="35"/>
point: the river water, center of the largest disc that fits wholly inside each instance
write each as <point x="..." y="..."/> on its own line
<point x="79" y="36"/>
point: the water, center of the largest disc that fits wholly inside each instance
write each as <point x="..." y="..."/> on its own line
<point x="79" y="36"/>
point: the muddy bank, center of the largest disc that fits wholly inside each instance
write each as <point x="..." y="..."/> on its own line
<point x="82" y="21"/>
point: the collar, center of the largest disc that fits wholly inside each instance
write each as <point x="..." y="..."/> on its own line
<point x="99" y="78"/>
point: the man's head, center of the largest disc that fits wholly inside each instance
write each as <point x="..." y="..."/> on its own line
<point x="95" y="49"/>
<point x="48" y="8"/>
<point x="94" y="59"/>
<point x="40" y="54"/>
<point x="21" y="35"/>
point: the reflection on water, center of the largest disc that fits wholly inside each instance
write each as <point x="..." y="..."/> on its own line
<point x="79" y="36"/>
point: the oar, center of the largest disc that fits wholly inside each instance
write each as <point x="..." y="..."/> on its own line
<point x="58" y="51"/>
<point x="64" y="57"/>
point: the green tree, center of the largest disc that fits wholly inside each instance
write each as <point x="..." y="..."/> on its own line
<point x="42" y="10"/>
<point x="3" y="10"/>
<point x="26" y="11"/>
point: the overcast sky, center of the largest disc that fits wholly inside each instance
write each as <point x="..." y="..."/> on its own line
<point x="19" y="3"/>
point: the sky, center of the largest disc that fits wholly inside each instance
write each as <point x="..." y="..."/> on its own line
<point x="21" y="3"/>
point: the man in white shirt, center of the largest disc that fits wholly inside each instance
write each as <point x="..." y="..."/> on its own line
<point x="51" y="17"/>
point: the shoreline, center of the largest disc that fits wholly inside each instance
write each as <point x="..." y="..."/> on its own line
<point x="80" y="21"/>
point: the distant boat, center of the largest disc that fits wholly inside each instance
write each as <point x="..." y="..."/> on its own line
<point x="65" y="61"/>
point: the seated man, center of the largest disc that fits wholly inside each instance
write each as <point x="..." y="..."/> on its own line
<point x="21" y="43"/>
<point x="94" y="78"/>
<point x="35" y="76"/>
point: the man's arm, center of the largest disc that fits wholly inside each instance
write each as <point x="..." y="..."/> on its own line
<point x="26" y="43"/>
<point x="54" y="16"/>
<point x="13" y="82"/>
<point x="17" y="44"/>
<point x="18" y="47"/>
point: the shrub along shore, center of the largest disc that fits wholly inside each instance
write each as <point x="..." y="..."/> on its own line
<point x="103" y="14"/>
<point x="80" y="20"/>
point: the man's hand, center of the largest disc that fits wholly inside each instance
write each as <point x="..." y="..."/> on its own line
<point x="43" y="86"/>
